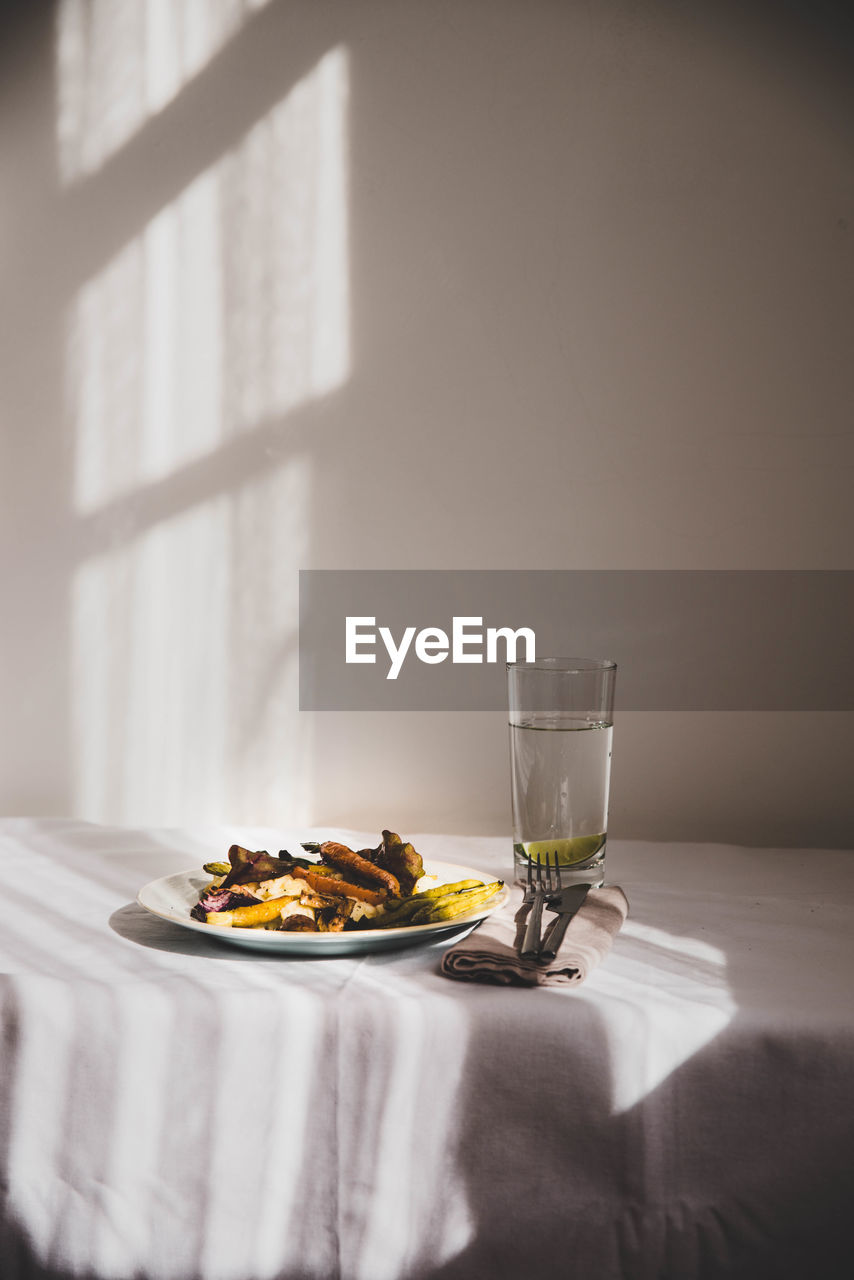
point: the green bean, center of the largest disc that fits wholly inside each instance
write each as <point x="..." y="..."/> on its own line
<point x="442" y="902"/>
<point x="415" y="900"/>
<point x="450" y="910"/>
<point x="441" y="890"/>
<point x="400" y="913"/>
<point x="217" y="868"/>
<point x="454" y="904"/>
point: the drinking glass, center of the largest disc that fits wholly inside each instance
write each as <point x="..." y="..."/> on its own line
<point x="561" y="725"/>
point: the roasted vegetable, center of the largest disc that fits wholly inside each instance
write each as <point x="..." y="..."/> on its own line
<point x="358" y="867"/>
<point x="400" y="859"/>
<point x="219" y="899"/>
<point x="442" y="890"/>
<point x="248" y="917"/>
<point x="247" y="867"/>
<point x="401" y="912"/>
<point x="332" y="917"/>
<point x="455" y="904"/>
<point x="443" y="902"/>
<point x="298" y="924"/>
<point x="340" y="888"/>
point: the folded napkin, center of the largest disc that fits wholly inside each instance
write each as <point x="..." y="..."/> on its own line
<point x="491" y="952"/>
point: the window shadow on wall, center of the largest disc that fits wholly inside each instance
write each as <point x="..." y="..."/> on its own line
<point x="185" y="272"/>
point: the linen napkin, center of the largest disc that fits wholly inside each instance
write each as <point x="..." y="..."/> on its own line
<point x="491" y="952"/>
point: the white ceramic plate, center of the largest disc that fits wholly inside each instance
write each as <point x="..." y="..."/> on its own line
<point x="172" y="898"/>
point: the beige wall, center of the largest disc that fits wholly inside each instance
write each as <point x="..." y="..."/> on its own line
<point x="447" y="284"/>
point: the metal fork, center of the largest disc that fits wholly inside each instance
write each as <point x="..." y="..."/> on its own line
<point x="537" y="894"/>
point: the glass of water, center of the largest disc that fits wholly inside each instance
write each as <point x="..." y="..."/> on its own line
<point x="561" y="725"/>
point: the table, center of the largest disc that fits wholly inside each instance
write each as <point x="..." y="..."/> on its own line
<point x="171" y="1107"/>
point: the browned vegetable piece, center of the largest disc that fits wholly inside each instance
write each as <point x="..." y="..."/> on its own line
<point x="344" y="859"/>
<point x="401" y="860"/>
<point x="247" y="867"/>
<point x="308" y="898"/>
<point x="331" y="886"/>
<point x="334" y="915"/>
<point x="298" y="924"/>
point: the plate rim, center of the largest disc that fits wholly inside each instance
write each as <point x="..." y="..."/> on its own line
<point x="318" y="943"/>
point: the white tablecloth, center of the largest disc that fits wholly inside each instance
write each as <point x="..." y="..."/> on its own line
<point x="173" y="1108"/>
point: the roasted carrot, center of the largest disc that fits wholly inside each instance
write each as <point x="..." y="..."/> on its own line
<point x="330" y="886"/>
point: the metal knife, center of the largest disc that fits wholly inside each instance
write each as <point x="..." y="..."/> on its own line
<point x="531" y="941"/>
<point x="566" y="903"/>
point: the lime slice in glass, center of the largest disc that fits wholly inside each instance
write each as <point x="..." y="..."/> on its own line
<point x="569" y="852"/>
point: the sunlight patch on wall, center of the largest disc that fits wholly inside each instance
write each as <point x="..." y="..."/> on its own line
<point x="149" y="672"/>
<point x="229" y="311"/>
<point x="285" y="282"/>
<point x="119" y="62"/>
<point x="230" y="308"/>
<point x="184" y="672"/>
